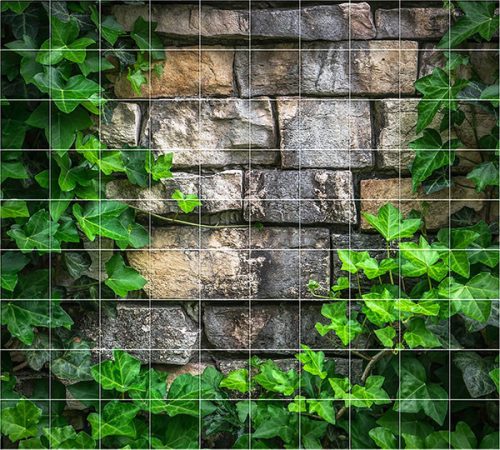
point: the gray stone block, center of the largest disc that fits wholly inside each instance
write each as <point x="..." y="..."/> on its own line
<point x="274" y="263"/>
<point x="332" y="134"/>
<point x="308" y="196"/>
<point x="218" y="193"/>
<point x="168" y="331"/>
<point x="329" y="69"/>
<point x="123" y="128"/>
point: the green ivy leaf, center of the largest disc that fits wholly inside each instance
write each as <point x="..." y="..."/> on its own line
<point x="186" y="202"/>
<point x="12" y="263"/>
<point x="184" y="396"/>
<point x="417" y="335"/>
<point x="346" y="329"/>
<point x="150" y="391"/>
<point x="463" y="437"/>
<point x="14" y="170"/>
<point x="37" y="234"/>
<point x="159" y="168"/>
<point x="480" y="18"/>
<point x="146" y="39"/>
<point x="237" y="380"/>
<point x="116" y="419"/>
<point x="274" y="379"/>
<point x="484" y="175"/>
<point x="11" y="209"/>
<point x="475" y="373"/>
<point x="383" y="437"/>
<point x="313" y="362"/>
<point x="181" y="432"/>
<point x="421" y="259"/>
<point x="416" y="394"/>
<point x="122" y="278"/>
<point x="386" y="336"/>
<point x="74" y="364"/>
<point x="438" y="93"/>
<point x="119" y="374"/>
<point x="101" y="219"/>
<point x="390" y="224"/>
<point x="111" y="30"/>
<point x="352" y="259"/>
<point x="20" y="421"/>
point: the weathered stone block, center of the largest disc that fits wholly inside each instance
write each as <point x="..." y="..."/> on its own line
<point x="123" y="127"/>
<point x="412" y="23"/>
<point x="171" y="334"/>
<point x="219" y="192"/>
<point x="274" y="263"/>
<point x="395" y="120"/>
<point x="315" y="23"/>
<point x="325" y="133"/>
<point x="213" y="133"/>
<point x="308" y="196"/>
<point x="272" y="328"/>
<point x="321" y="22"/>
<point x="363" y="67"/>
<point x="483" y="58"/>
<point x="187" y="72"/>
<point x="437" y="207"/>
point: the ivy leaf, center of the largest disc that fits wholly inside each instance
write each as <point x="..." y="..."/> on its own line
<point x="119" y="374"/>
<point x="74" y="364"/>
<point x="184" y="396"/>
<point x="11" y="209"/>
<point x="383" y="437"/>
<point x="322" y="408"/>
<point x="21" y="316"/>
<point x="417" y="335"/>
<point x="274" y="379"/>
<point x="369" y="394"/>
<point x="57" y="435"/>
<point x="495" y="375"/>
<point x="463" y="437"/>
<point x="237" y="380"/>
<point x="146" y="39"/>
<point x="12" y="263"/>
<point x="474" y="297"/>
<point x="416" y="394"/>
<point x="116" y="420"/>
<point x="137" y="79"/>
<point x="186" y="202"/>
<point x="421" y="259"/>
<point x="159" y="168"/>
<point x="351" y="259"/>
<point x="346" y="329"/>
<point x="390" y="224"/>
<point x="14" y="170"/>
<point x="475" y="372"/>
<point x="438" y="92"/>
<point x="37" y="234"/>
<point x="101" y="219"/>
<point x="15" y="6"/>
<point x="150" y="391"/>
<point x="492" y="93"/>
<point x="479" y="19"/>
<point x="20" y="421"/>
<point x="121" y="278"/>
<point x="111" y="30"/>
<point x="386" y="336"/>
<point x="276" y="424"/>
<point x="484" y="175"/>
<point x="313" y="362"/>
<point x="181" y="432"/>
<point x="430" y="154"/>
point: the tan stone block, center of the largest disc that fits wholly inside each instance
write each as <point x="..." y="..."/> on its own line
<point x="412" y="23"/>
<point x="437" y="207"/>
<point x="186" y="73"/>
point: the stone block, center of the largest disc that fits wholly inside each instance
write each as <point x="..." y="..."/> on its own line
<point x="123" y="128"/>
<point x="318" y="22"/>
<point x="187" y="72"/>
<point x="213" y="133"/>
<point x="412" y="23"/>
<point x="272" y="328"/>
<point x="218" y="193"/>
<point x="233" y="263"/>
<point x="396" y="119"/>
<point x="329" y="69"/>
<point x="332" y="134"/>
<point x="437" y="207"/>
<point x="168" y="331"/>
<point x="308" y="196"/>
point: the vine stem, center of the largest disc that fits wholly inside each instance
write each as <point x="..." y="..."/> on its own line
<point x="364" y="376"/>
<point x="185" y="222"/>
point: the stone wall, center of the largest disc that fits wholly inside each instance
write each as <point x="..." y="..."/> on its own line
<point x="285" y="137"/>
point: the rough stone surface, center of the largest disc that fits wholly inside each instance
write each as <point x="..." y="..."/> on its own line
<point x="171" y="334"/>
<point x="273" y="328"/>
<point x="124" y="126"/>
<point x="341" y="366"/>
<point x="483" y="61"/>
<point x="232" y="263"/>
<point x="187" y="72"/>
<point x="327" y="69"/>
<point x="438" y="207"/>
<point x="325" y="133"/>
<point x="219" y="192"/>
<point x="308" y="196"/>
<point x="395" y="121"/>
<point x="321" y="22"/>
<point x="412" y="23"/>
<point x="214" y="133"/>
